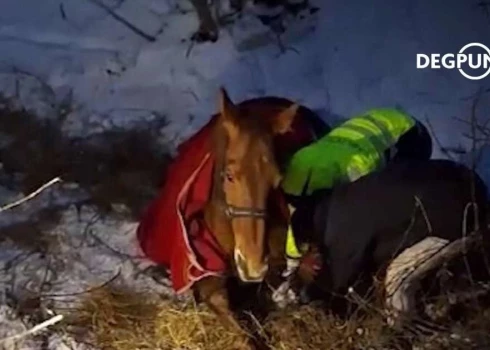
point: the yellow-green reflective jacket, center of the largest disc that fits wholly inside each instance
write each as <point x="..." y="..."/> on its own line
<point x="348" y="152"/>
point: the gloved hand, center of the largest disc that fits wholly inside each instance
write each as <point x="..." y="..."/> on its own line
<point x="292" y="264"/>
<point x="309" y="266"/>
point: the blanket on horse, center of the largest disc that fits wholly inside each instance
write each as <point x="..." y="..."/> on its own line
<point x="171" y="232"/>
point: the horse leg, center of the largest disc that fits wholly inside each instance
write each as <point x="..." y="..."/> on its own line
<point x="213" y="292"/>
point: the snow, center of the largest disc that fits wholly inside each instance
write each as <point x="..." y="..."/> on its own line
<point x="348" y="57"/>
<point x="84" y="250"/>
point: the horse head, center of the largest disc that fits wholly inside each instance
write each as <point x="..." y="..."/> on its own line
<point x="246" y="171"/>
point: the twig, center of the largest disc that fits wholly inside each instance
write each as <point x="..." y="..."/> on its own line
<point x="114" y="250"/>
<point x="354" y="297"/>
<point x="418" y="205"/>
<point x="123" y="21"/>
<point x="34" y="329"/>
<point x="473" y="205"/>
<point x="473" y="125"/>
<point x="483" y="128"/>
<point x="472" y="96"/>
<point x="424" y="213"/>
<point x="45" y="87"/>
<point x="62" y="11"/>
<point x="189" y="49"/>
<point x="87" y="291"/>
<point x="474" y="160"/>
<point x="93" y="220"/>
<point x="30" y="196"/>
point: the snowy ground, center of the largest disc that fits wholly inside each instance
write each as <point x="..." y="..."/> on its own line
<point x="72" y="60"/>
<point x="349" y="56"/>
<point x="78" y="253"/>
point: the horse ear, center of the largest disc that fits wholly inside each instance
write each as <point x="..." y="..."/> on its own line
<point x="227" y="108"/>
<point x="282" y="123"/>
<point x="228" y="113"/>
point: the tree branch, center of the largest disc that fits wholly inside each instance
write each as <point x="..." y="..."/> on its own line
<point x="123" y="21"/>
<point x="30" y="196"/>
<point x="34" y="329"/>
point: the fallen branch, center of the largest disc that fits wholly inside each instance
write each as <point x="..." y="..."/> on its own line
<point x="33" y="330"/>
<point x="87" y="291"/>
<point x="445" y="254"/>
<point x="123" y="21"/>
<point x="401" y="289"/>
<point x="30" y="196"/>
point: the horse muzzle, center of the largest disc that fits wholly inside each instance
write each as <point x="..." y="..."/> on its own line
<point x="250" y="272"/>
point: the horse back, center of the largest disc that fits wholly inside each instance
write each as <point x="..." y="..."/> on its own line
<point x="406" y="202"/>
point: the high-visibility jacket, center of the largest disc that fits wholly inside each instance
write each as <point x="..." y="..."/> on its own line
<point x="350" y="151"/>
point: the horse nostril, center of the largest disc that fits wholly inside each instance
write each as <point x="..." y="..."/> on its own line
<point x="247" y="275"/>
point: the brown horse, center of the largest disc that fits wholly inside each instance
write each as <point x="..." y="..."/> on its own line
<point x="246" y="174"/>
<point x="219" y="218"/>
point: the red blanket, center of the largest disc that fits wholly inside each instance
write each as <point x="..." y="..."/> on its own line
<point x="170" y="233"/>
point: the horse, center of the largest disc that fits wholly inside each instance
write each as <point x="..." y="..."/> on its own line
<point x="363" y="229"/>
<point x="231" y="214"/>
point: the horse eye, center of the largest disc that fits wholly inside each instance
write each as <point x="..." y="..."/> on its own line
<point x="228" y="176"/>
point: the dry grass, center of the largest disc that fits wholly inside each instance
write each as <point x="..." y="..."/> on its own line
<point x="127" y="321"/>
<point x="122" y="320"/>
<point x="115" y="167"/>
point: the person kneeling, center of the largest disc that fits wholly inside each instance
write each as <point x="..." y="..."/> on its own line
<point x="359" y="146"/>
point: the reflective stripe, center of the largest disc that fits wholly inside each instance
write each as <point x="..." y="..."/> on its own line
<point x="387" y="135"/>
<point x="292" y="250"/>
<point x="361" y="142"/>
<point x="342" y="140"/>
<point x="378" y="143"/>
<point x="354" y="173"/>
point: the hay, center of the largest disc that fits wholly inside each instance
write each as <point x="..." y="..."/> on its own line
<point x="309" y="328"/>
<point x="123" y="320"/>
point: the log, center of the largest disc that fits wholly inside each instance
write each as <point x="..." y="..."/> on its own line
<point x="406" y="271"/>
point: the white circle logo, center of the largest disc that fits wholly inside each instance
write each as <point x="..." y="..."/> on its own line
<point x="463" y="49"/>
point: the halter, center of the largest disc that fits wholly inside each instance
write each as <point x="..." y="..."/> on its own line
<point x="233" y="211"/>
